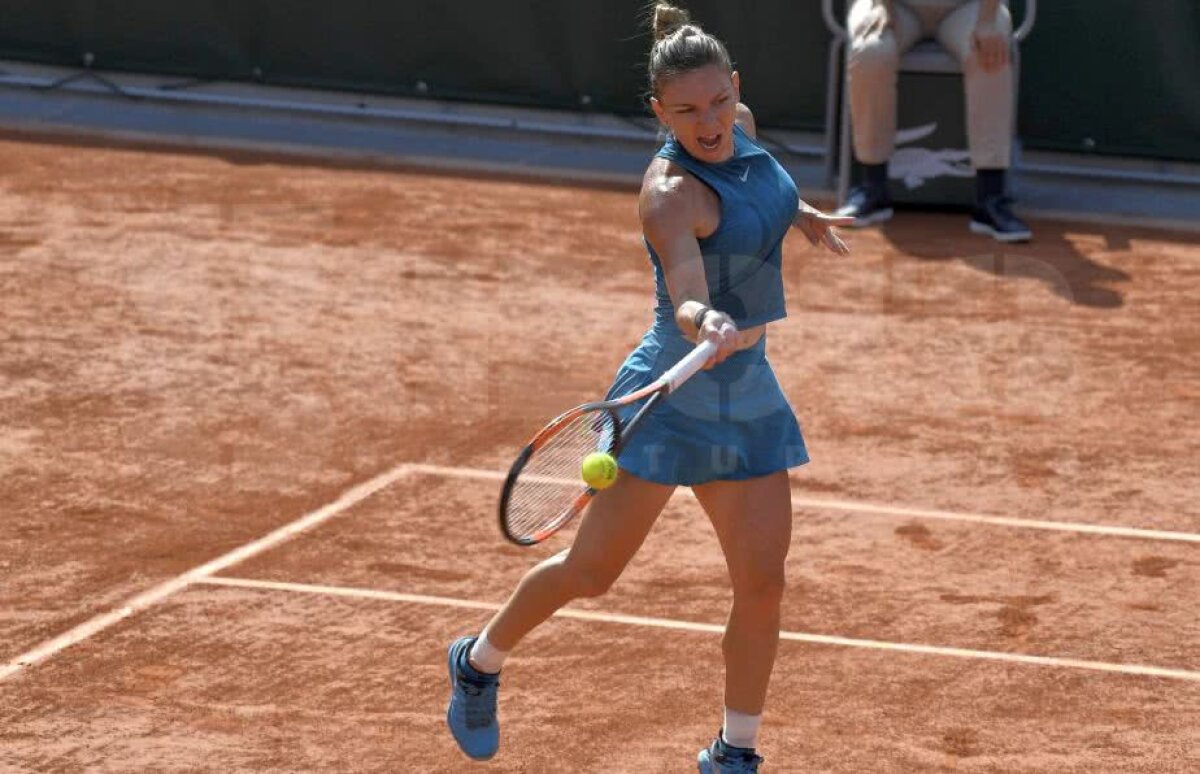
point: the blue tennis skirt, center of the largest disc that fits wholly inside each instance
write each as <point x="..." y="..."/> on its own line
<point x="729" y="423"/>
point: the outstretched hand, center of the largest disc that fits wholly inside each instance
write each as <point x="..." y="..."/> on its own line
<point x="819" y="229"/>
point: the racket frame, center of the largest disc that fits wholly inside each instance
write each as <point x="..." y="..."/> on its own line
<point x="656" y="391"/>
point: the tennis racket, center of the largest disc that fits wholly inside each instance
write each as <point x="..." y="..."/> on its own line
<point x="544" y="490"/>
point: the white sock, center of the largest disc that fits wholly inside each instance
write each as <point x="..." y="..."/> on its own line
<point x="485" y="657"/>
<point x="741" y="730"/>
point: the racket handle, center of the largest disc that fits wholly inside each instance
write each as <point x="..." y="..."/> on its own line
<point x="685" y="369"/>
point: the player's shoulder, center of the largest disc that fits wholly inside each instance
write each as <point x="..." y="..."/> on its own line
<point x="669" y="192"/>
<point x="745" y="119"/>
<point x="665" y="177"/>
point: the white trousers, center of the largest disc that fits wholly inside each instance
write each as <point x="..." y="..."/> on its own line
<point x="873" y="65"/>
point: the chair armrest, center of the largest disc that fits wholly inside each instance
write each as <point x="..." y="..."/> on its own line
<point x="838" y="30"/>
<point x="1026" y="24"/>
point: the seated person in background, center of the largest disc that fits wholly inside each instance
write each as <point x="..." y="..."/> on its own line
<point x="978" y="33"/>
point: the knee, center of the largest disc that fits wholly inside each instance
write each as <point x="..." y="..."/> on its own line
<point x="761" y="587"/>
<point x="1004" y="21"/>
<point x="874" y="59"/>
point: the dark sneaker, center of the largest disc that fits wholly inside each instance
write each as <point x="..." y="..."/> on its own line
<point x="471" y="714"/>
<point x="722" y="758"/>
<point x="867" y="204"/>
<point x="995" y="218"/>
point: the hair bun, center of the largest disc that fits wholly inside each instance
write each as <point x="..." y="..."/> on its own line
<point x="667" y="19"/>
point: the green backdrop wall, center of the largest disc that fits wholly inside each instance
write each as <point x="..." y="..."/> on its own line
<point x="1112" y="77"/>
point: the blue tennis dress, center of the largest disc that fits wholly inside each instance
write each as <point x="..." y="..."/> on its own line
<point x="732" y="422"/>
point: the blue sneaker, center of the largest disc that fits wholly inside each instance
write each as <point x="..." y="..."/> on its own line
<point x="867" y="204"/>
<point x="722" y="758"/>
<point x="471" y="713"/>
<point x="994" y="216"/>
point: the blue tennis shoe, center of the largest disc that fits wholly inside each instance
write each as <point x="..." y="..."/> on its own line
<point x="722" y="758"/>
<point x="471" y="714"/>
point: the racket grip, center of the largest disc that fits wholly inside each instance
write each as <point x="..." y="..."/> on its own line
<point x="692" y="362"/>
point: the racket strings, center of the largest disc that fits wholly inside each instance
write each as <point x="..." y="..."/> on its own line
<point x="547" y="488"/>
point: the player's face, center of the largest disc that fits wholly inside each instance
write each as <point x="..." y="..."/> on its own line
<point x="699" y="107"/>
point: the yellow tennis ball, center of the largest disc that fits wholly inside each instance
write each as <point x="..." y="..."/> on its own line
<point x="599" y="470"/>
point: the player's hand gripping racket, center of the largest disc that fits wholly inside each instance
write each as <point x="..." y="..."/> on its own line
<point x="544" y="491"/>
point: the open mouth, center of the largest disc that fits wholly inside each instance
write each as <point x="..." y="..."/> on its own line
<point x="709" y="143"/>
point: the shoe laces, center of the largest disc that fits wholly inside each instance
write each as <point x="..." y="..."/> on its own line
<point x="862" y="193"/>
<point x="740" y="765"/>
<point x="868" y="194"/>
<point x="732" y="763"/>
<point x="480" y="705"/>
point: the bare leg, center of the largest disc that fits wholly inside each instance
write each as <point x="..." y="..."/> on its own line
<point x="753" y="521"/>
<point x="613" y="529"/>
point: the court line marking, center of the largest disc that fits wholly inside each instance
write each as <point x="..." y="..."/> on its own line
<point x="361" y="491"/>
<point x="690" y="626"/>
<point x="890" y="510"/>
<point x="153" y="596"/>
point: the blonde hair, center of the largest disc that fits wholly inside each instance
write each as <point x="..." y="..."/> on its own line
<point x="680" y="46"/>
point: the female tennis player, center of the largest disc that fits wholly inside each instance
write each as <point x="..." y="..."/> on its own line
<point x="715" y="208"/>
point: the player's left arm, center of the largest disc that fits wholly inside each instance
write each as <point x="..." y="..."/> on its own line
<point x="818" y="228"/>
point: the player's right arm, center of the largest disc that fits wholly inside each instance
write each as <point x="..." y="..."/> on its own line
<point x="674" y="213"/>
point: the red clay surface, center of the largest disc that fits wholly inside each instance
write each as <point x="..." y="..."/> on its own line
<point x="196" y="349"/>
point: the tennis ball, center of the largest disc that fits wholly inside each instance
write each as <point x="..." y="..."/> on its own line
<point x="599" y="470"/>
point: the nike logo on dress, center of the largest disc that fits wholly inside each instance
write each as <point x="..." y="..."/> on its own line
<point x="745" y="173"/>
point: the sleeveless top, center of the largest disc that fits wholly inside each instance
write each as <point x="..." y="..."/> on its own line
<point x="743" y="257"/>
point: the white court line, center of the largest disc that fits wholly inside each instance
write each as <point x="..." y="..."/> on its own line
<point x="891" y="510"/>
<point x="160" y="592"/>
<point x="666" y="623"/>
<point x="360" y="492"/>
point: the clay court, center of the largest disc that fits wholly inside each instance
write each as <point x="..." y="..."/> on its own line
<point x="255" y="412"/>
